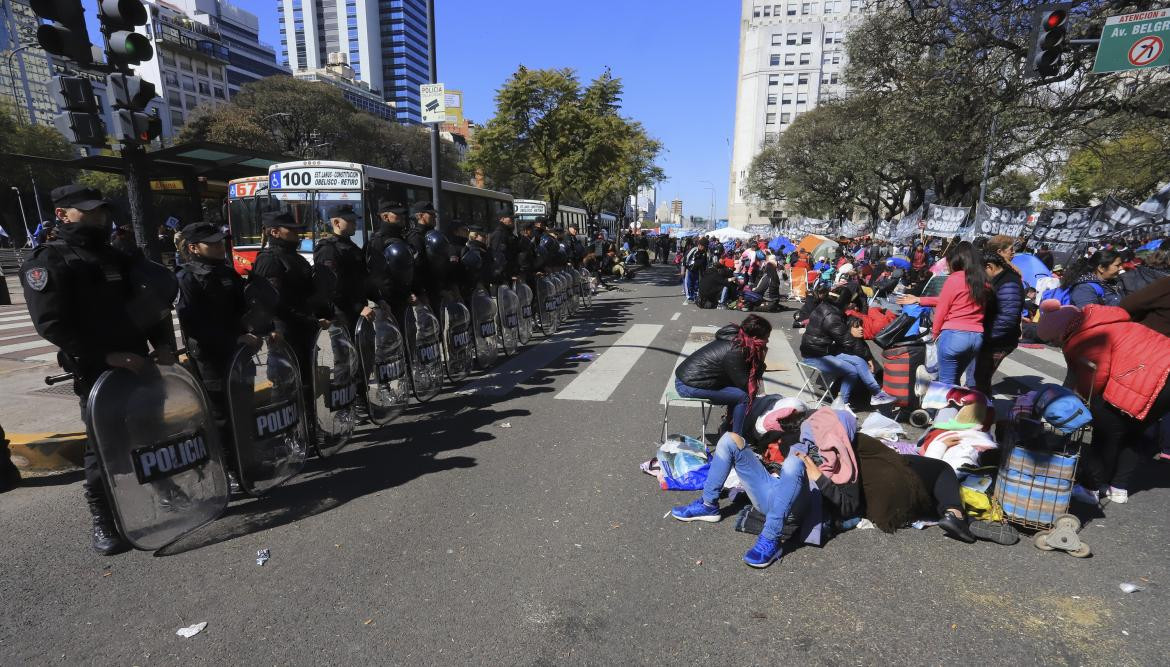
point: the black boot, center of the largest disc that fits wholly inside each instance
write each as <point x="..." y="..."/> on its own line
<point x="956" y="527"/>
<point x="106" y="539"/>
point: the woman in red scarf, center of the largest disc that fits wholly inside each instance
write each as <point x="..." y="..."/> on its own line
<point x="727" y="370"/>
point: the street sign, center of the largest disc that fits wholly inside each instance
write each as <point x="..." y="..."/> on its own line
<point x="1134" y="41"/>
<point x="318" y="178"/>
<point x="432" y="98"/>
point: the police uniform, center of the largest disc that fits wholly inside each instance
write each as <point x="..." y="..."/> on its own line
<point x="212" y="313"/>
<point x="348" y="261"/>
<point x="505" y="249"/>
<point x="424" y="288"/>
<point x="291" y="276"/>
<point x="395" y="293"/>
<point x="78" y="292"/>
<point x="476" y="266"/>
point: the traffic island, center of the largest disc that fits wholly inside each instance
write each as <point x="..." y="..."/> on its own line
<point x="46" y="452"/>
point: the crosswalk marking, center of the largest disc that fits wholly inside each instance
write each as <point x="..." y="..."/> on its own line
<point x="675" y="316"/>
<point x="502" y="379"/>
<point x="786" y="380"/>
<point x="1025" y="375"/>
<point x="693" y="343"/>
<point x="599" y="380"/>
<point x="1046" y="353"/>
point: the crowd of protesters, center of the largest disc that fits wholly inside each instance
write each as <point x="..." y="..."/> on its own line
<point x="1107" y="310"/>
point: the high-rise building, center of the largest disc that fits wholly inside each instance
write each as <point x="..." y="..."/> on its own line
<point x="791" y="55"/>
<point x="384" y="41"/>
<point x="676" y="210"/>
<point x="25" y="70"/>
<point x="358" y="93"/>
<point x="249" y="59"/>
<point x="642" y="209"/>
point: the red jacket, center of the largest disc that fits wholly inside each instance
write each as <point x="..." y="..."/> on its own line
<point x="1132" y="359"/>
<point x="954" y="308"/>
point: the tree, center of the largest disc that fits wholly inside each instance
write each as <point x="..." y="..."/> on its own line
<point x="23" y="139"/>
<point x="1129" y="168"/>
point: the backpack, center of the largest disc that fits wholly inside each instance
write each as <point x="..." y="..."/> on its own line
<point x="689" y="261"/>
<point x="1062" y="409"/>
<point x="1064" y="294"/>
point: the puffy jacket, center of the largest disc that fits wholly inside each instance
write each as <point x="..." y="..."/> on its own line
<point x="1002" y="325"/>
<point x="1137" y="278"/>
<point x="717" y="364"/>
<point x="768" y="285"/>
<point x="826" y="333"/>
<point x="1089" y="290"/>
<point x="1132" y="359"/>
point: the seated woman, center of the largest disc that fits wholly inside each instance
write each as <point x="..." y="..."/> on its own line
<point x="727" y="371"/>
<point x="765" y="293"/>
<point x="715" y="285"/>
<point x="854" y="475"/>
<point x="826" y="346"/>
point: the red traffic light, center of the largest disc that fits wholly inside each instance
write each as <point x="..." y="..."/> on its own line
<point x="1055" y="19"/>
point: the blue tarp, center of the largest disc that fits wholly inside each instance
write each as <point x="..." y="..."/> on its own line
<point x="1152" y="245"/>
<point x="781" y="245"/>
<point x="1030" y="268"/>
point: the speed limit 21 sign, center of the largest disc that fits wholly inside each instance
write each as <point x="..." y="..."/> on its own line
<point x="1134" y="41"/>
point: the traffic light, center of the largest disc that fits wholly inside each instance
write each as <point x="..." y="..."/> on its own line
<point x="1049" y="40"/>
<point x="65" y="34"/>
<point x="79" y="119"/>
<point x="130" y="95"/>
<point x="124" y="47"/>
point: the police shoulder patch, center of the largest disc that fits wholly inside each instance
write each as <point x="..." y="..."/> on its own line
<point x="36" y="278"/>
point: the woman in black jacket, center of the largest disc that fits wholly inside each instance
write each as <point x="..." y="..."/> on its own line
<point x="1001" y="321"/>
<point x="825" y="346"/>
<point x="727" y="370"/>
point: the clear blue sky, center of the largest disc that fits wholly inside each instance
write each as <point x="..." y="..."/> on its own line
<point x="677" y="60"/>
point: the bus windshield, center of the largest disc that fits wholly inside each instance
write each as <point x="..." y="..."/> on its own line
<point x="244" y="218"/>
<point x="312" y="208"/>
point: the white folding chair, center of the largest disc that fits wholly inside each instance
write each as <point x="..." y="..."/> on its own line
<point x="816" y="384"/>
<point x="705" y="410"/>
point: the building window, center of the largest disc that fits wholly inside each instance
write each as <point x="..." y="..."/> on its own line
<point x="176" y="119"/>
<point x="801" y="98"/>
<point x="836" y="58"/>
<point x="806" y="38"/>
<point x="767" y="10"/>
<point x="789" y="79"/>
<point x="854" y="5"/>
<point x="778" y="40"/>
<point x="771" y="137"/>
<point x="802" y="80"/>
<point x="171" y="79"/>
<point x="786" y="101"/>
<point x="830" y="6"/>
<point x="770" y="119"/>
<point x="791" y="41"/>
<point x="771" y="100"/>
<point x="216" y="74"/>
<point x="204" y="88"/>
<point x="756" y="12"/>
<point x="201" y="69"/>
<point x="792" y="9"/>
<point x="785" y="117"/>
<point x="789" y="58"/>
<point x="184" y="64"/>
<point x="167" y="59"/>
<point x="774" y="60"/>
<point x="773" y="79"/>
<point x="174" y="98"/>
<point x="805" y="58"/>
<point x="191" y="102"/>
<point x="188" y="82"/>
<point x="806" y="8"/>
<point x="218" y="91"/>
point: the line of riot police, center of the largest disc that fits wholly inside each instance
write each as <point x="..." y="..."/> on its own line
<point x="283" y="364"/>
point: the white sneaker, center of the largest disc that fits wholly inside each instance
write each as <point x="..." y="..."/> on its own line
<point x="1117" y="495"/>
<point x="840" y="404"/>
<point x="881" y="398"/>
<point x="1086" y="496"/>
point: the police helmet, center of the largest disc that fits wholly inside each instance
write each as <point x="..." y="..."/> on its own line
<point x="399" y="262"/>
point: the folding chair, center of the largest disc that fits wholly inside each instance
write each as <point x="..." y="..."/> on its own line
<point x="815" y="381"/>
<point x="705" y="410"/>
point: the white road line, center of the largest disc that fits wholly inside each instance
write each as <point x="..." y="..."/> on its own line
<point x="26" y="324"/>
<point x="21" y="347"/>
<point x="599" y="380"/>
<point x="786" y="380"/>
<point x="51" y="356"/>
<point x="515" y="370"/>
<point x="687" y="350"/>
<point x="1025" y="375"/>
<point x="675" y="316"/>
<point x="1046" y="353"/>
<point x="15" y="318"/>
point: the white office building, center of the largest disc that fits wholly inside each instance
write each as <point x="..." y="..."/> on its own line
<point x="791" y="55"/>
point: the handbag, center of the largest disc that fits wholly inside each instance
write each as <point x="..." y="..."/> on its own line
<point x="895" y="331"/>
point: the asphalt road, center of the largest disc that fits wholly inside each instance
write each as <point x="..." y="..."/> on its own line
<point x="448" y="538"/>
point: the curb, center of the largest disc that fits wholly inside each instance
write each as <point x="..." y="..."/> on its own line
<point x="47" y="451"/>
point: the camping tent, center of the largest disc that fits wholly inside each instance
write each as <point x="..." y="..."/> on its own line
<point x="729" y="234"/>
<point x="818" y="246"/>
<point x="1031" y="268"/>
<point x="781" y="245"/>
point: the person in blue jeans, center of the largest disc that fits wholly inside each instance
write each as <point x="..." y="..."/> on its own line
<point x="727" y="371"/>
<point x="828" y="344"/>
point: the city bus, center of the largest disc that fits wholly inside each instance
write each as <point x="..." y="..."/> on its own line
<point x="309" y="188"/>
<point x="528" y="210"/>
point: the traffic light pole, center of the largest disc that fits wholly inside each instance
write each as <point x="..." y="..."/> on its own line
<point x="436" y="181"/>
<point x="141" y="209"/>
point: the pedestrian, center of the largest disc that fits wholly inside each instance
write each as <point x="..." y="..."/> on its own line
<point x="1093" y="279"/>
<point x="727" y="371"/>
<point x="827" y="345"/>
<point x="1001" y="323"/>
<point x="78" y="292"/>
<point x="1123" y="366"/>
<point x="1155" y="267"/>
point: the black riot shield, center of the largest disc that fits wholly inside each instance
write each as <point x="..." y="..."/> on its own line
<point x="483" y="326"/>
<point x="161" y="456"/>
<point x="546" y="305"/>
<point x="383" y="356"/>
<point x="527" y="312"/>
<point x="267" y="409"/>
<point x="336" y="384"/>
<point x="457" y="340"/>
<point x="424" y="348"/>
<point x="508" y="306"/>
<point x="566" y="290"/>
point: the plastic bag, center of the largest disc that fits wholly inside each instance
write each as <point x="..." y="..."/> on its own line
<point x="882" y="427"/>
<point x="690" y="481"/>
<point x="932" y="358"/>
<point x="979" y="505"/>
<point x="682" y="454"/>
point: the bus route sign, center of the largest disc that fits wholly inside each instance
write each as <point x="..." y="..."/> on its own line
<point x="1134" y="41"/>
<point x="315" y="178"/>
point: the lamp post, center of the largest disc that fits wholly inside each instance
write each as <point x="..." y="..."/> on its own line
<point x="24" y="217"/>
<point x="711" y="187"/>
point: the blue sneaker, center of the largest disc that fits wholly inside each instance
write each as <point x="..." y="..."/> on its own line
<point x="764" y="553"/>
<point x="697" y="511"/>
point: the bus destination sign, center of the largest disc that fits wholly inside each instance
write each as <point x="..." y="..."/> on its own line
<point x="315" y="178"/>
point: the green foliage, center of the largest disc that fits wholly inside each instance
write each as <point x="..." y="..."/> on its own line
<point x="934" y="87"/>
<point x="1129" y="168"/>
<point x="551" y="138"/>
<point x="111" y="185"/>
<point x="311" y="119"/>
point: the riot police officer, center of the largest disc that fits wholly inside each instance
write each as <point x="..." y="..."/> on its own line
<point x="476" y="263"/>
<point x="505" y="250"/>
<point x="212" y="312"/>
<point x="341" y="255"/>
<point x="388" y="259"/>
<point x="79" y="294"/>
<point x="298" y="316"/>
<point x="424" y="287"/>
